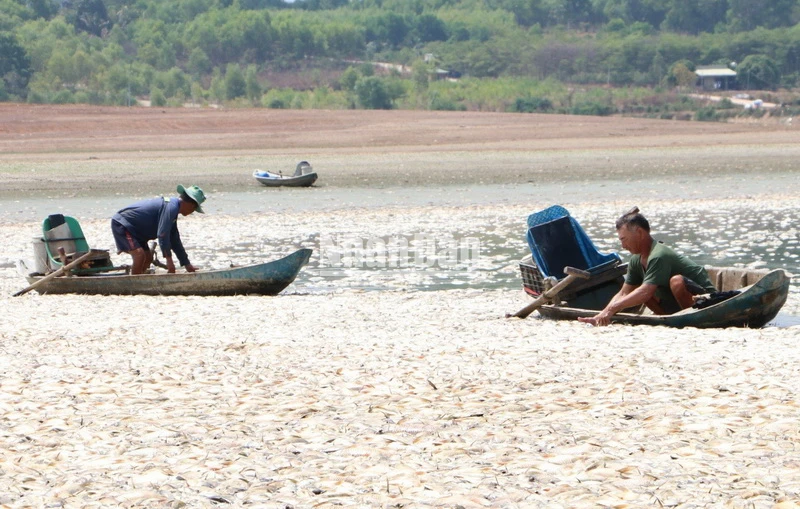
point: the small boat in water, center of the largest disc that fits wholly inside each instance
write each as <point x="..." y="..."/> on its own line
<point x="761" y="294"/>
<point x="304" y="176"/>
<point x="262" y="279"/>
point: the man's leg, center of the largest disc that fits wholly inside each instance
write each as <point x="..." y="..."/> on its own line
<point x="126" y="243"/>
<point x="655" y="306"/>
<point x="142" y="259"/>
<point x="683" y="290"/>
<point x="139" y="261"/>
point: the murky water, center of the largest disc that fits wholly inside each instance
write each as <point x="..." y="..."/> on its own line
<point x="730" y="237"/>
<point x="483" y="253"/>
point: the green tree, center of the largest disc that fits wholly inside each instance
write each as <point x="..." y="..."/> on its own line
<point x="295" y="38"/>
<point x="198" y="63"/>
<point x="43" y="8"/>
<point x="217" y="89"/>
<point x="420" y="75"/>
<point x="695" y="16"/>
<point x="235" y="84"/>
<point x="532" y="104"/>
<point x="15" y="66"/>
<point x="157" y="97"/>
<point x="252" y="86"/>
<point x="227" y="35"/>
<point x="156" y="45"/>
<point x="526" y="12"/>
<point x="198" y="94"/>
<point x="90" y="16"/>
<point x="317" y="5"/>
<point x="745" y="15"/>
<point x="758" y="72"/>
<point x="681" y="75"/>
<point x="431" y="28"/>
<point x="658" y="67"/>
<point x="394" y="28"/>
<point x="72" y="67"/>
<point x="13" y="13"/>
<point x="349" y="78"/>
<point x="373" y="94"/>
<point x="173" y="83"/>
<point x="568" y="12"/>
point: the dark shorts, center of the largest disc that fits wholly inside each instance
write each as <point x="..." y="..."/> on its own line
<point x="667" y="300"/>
<point x="693" y="287"/>
<point x="124" y="240"/>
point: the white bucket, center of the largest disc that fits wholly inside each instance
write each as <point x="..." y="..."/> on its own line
<point x="40" y="261"/>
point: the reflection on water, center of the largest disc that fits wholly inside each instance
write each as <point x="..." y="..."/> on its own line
<point x="783" y="320"/>
<point x="388" y="225"/>
<point x="738" y="236"/>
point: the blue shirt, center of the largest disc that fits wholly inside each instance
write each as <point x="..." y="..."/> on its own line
<point x="156" y="218"/>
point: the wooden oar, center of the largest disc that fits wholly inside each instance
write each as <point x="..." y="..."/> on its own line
<point x="572" y="275"/>
<point x="57" y="273"/>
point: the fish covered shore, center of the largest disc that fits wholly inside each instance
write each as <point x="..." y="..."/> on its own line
<point x="395" y="381"/>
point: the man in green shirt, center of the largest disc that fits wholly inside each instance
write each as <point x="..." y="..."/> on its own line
<point x="658" y="277"/>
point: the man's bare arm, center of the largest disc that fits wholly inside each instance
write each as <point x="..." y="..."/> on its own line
<point x="628" y="296"/>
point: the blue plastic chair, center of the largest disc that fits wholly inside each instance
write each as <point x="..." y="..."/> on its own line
<point x="557" y="241"/>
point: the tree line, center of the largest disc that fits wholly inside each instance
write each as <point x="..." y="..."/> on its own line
<point x="114" y="51"/>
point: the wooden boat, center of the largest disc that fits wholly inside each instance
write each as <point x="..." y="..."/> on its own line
<point x="762" y="294"/>
<point x="261" y="279"/>
<point x="303" y="176"/>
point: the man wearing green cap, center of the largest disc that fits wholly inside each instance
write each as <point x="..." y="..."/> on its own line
<point x="134" y="226"/>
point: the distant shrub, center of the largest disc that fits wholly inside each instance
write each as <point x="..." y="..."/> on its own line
<point x="36" y="97"/>
<point x="592" y="108"/>
<point x="63" y="97"/>
<point x="754" y="112"/>
<point x="440" y="104"/>
<point x="82" y="97"/>
<point x="157" y="97"/>
<point x="278" y="98"/>
<point x="532" y="104"/>
<point x="726" y="104"/>
<point x="707" y="114"/>
<point x="373" y="94"/>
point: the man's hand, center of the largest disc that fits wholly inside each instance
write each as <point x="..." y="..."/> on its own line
<point x="599" y="320"/>
<point x="628" y="296"/>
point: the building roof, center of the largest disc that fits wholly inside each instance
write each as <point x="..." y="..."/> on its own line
<point x="715" y="71"/>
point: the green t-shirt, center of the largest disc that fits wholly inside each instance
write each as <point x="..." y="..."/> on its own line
<point x="662" y="264"/>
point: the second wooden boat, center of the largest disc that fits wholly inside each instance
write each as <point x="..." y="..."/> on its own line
<point x="761" y="295"/>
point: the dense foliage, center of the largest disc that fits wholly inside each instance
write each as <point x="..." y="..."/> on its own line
<point x="515" y="55"/>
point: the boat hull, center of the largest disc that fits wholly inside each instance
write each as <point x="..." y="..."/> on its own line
<point x="300" y="181"/>
<point x="754" y="307"/>
<point x="263" y="279"/>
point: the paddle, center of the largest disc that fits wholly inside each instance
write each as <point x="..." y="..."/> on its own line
<point x="572" y="275"/>
<point x="57" y="273"/>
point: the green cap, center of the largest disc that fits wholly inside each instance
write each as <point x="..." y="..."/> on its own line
<point x="195" y="194"/>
